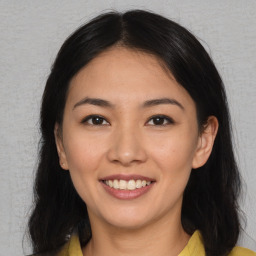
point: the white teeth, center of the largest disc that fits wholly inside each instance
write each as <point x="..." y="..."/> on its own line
<point x="127" y="185"/>
<point x="131" y="185"/>
<point x="122" y="184"/>
<point x="138" y="183"/>
<point x="116" y="184"/>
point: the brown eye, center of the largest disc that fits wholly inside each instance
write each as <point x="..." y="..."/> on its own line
<point x="95" y="120"/>
<point x="160" y="120"/>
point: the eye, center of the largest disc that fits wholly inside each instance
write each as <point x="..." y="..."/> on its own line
<point x="95" y="120"/>
<point x="160" y="120"/>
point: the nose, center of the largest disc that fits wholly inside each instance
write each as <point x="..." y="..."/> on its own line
<point x="126" y="147"/>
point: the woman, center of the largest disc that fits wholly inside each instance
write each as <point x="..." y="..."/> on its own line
<point x="136" y="152"/>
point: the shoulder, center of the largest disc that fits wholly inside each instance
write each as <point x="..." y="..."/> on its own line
<point x="240" y="251"/>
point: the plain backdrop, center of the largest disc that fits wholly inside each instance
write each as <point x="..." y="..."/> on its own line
<point x="31" y="34"/>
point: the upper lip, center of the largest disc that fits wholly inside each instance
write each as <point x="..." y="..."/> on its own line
<point x="127" y="177"/>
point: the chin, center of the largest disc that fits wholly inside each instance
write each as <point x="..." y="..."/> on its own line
<point x="129" y="220"/>
<point x="128" y="224"/>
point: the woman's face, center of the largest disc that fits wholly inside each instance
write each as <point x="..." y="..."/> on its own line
<point x="130" y="139"/>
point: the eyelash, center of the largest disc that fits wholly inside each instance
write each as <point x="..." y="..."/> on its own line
<point x="166" y="120"/>
<point x="90" y="117"/>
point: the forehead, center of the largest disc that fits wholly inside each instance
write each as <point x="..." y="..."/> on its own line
<point x="125" y="75"/>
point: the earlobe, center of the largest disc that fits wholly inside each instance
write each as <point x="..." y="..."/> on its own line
<point x="60" y="148"/>
<point x="205" y="142"/>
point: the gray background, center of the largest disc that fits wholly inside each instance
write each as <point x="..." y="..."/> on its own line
<point x="31" y="34"/>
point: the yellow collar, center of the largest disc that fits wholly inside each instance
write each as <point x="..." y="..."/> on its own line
<point x="194" y="247"/>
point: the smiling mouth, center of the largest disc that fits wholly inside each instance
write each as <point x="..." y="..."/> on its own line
<point x="127" y="184"/>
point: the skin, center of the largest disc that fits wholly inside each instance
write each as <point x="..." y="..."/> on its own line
<point x="129" y="141"/>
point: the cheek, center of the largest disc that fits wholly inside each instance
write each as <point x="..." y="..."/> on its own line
<point x="83" y="152"/>
<point x="173" y="153"/>
<point x="173" y="158"/>
<point x="84" y="156"/>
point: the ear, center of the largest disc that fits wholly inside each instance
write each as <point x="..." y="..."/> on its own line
<point x="205" y="142"/>
<point x="60" y="148"/>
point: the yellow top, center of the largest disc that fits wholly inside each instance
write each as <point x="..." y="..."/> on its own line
<point x="194" y="247"/>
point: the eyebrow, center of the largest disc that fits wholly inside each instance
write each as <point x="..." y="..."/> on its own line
<point x="107" y="104"/>
<point x="155" y="102"/>
<point x="94" y="101"/>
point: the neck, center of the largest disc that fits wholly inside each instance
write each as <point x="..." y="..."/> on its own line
<point x="154" y="239"/>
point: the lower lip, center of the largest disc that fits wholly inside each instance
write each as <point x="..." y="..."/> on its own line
<point x="127" y="194"/>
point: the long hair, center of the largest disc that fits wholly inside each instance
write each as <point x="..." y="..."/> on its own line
<point x="210" y="198"/>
